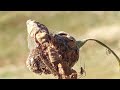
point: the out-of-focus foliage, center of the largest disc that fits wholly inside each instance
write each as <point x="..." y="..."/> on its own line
<point x="80" y="24"/>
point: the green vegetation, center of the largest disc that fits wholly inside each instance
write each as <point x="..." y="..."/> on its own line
<point x="14" y="50"/>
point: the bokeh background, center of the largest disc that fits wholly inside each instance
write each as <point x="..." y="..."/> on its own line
<point x="101" y="25"/>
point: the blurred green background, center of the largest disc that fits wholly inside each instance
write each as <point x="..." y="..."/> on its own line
<point x="101" y="25"/>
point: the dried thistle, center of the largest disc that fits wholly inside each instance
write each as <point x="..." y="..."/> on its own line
<point x="54" y="53"/>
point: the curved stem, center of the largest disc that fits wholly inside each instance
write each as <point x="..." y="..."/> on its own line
<point x="118" y="59"/>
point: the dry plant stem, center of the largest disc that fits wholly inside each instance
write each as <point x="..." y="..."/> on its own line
<point x="118" y="59"/>
<point x="65" y="72"/>
<point x="61" y="72"/>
